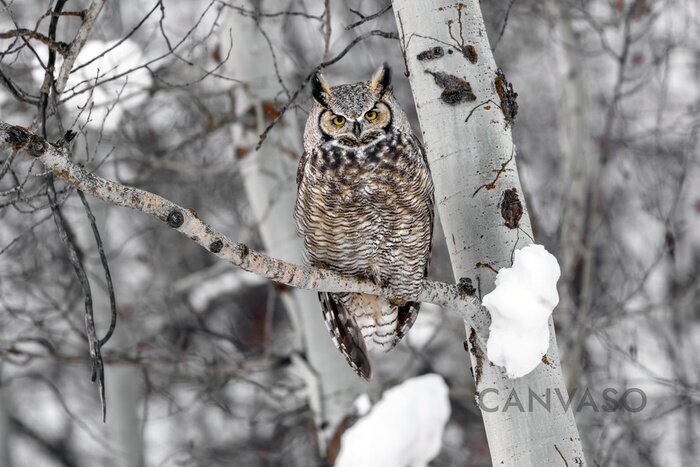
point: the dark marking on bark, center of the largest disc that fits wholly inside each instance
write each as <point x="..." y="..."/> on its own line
<point x="16" y="135"/>
<point x="478" y="356"/>
<point x="175" y="218"/>
<point x="508" y="97"/>
<point x="216" y="246"/>
<point x="566" y="464"/>
<point x="466" y="287"/>
<point x="455" y="90"/>
<point x="193" y="212"/>
<point x="479" y="264"/>
<point x="20" y="138"/>
<point x="431" y="54"/>
<point x="492" y="185"/>
<point x="511" y="208"/>
<point x="242" y="251"/>
<point x="470" y="53"/>
<point x="460" y="43"/>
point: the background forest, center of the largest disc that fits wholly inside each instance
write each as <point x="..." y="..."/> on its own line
<point x="210" y="365"/>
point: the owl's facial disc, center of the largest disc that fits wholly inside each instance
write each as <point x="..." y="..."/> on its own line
<point x="356" y="130"/>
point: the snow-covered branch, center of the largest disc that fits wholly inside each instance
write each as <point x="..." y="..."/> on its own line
<point x="55" y="158"/>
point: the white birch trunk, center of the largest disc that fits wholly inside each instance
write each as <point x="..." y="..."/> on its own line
<point x="269" y="176"/>
<point x="471" y="156"/>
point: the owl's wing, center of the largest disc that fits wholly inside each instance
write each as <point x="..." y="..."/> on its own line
<point x="408" y="312"/>
<point x="346" y="335"/>
<point x="301" y="167"/>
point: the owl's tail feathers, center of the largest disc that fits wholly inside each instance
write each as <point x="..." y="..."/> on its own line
<point x="345" y="333"/>
<point x="407" y="314"/>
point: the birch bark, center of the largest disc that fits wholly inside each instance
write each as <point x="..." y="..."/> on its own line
<point x="269" y="178"/>
<point x="465" y="111"/>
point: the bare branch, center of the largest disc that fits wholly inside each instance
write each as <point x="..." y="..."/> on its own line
<point x="60" y="47"/>
<point x="186" y="222"/>
<point x="89" y="18"/>
<point x="364" y="19"/>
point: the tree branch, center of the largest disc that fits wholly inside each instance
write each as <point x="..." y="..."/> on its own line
<point x="55" y="158"/>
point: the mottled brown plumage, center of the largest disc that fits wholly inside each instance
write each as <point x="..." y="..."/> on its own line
<point x="365" y="208"/>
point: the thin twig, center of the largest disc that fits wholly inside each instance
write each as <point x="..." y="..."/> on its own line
<point x="503" y="26"/>
<point x="98" y="372"/>
<point x="105" y="266"/>
<point x="364" y="19"/>
<point x="6" y="165"/>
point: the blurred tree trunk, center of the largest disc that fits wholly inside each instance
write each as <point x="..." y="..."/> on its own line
<point x="269" y="176"/>
<point x="466" y="109"/>
<point x="581" y="161"/>
<point x="4" y="431"/>
<point x="125" y="398"/>
<point x="575" y="144"/>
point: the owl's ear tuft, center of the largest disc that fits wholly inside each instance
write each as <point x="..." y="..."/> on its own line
<point x="380" y="83"/>
<point x="320" y="89"/>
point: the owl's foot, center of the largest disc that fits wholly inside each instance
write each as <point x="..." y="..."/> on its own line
<point x="320" y="265"/>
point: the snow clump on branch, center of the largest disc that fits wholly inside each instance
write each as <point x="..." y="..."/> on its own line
<point x="520" y="307"/>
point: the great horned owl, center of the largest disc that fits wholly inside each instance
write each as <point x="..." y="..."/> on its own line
<point x="365" y="208"/>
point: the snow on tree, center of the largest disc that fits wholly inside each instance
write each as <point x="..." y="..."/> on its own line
<point x="520" y="307"/>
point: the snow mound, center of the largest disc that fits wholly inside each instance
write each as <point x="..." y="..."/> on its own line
<point x="404" y="429"/>
<point x="520" y="307"/>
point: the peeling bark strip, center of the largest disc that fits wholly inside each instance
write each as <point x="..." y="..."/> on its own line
<point x="455" y="90"/>
<point x="186" y="222"/>
<point x="508" y="97"/>
<point x="511" y="208"/>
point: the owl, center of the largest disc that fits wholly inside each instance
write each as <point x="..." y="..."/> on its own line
<point x="364" y="208"/>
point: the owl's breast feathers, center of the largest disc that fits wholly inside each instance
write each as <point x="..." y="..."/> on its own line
<point x="368" y="211"/>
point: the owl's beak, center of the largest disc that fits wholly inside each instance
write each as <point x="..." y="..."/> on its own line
<point x="356" y="129"/>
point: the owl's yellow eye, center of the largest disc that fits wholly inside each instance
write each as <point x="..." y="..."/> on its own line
<point x="371" y="115"/>
<point x="338" y="120"/>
